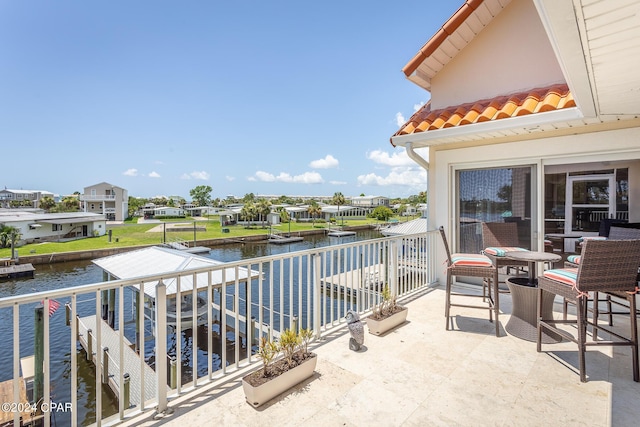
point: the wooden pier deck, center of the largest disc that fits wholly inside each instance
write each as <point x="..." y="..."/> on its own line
<point x="132" y="365"/>
<point x="16" y="270"/>
<point x="6" y="396"/>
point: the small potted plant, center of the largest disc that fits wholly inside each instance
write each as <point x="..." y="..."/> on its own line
<point x="387" y="314"/>
<point x="280" y="374"/>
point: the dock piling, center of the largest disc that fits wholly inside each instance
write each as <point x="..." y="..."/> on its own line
<point x="173" y="378"/>
<point x="127" y="391"/>
<point x="89" y="345"/>
<point x="105" y="365"/>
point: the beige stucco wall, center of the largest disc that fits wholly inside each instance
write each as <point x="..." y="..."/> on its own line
<point x="510" y="55"/>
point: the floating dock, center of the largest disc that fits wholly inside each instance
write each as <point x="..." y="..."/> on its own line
<point x="370" y="278"/>
<point x="282" y="240"/>
<point x="340" y="233"/>
<point x="6" y="396"/>
<point x="13" y="271"/>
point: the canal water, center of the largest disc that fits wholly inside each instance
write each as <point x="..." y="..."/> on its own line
<point x="69" y="274"/>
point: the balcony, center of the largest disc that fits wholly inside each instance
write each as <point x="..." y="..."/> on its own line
<point x="97" y="197"/>
<point x="418" y="374"/>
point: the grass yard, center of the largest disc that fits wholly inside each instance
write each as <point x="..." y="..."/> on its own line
<point x="133" y="234"/>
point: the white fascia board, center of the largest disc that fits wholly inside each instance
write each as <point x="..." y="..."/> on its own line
<point x="436" y="137"/>
<point x="560" y="20"/>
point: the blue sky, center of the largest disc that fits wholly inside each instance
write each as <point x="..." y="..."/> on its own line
<point x="158" y="97"/>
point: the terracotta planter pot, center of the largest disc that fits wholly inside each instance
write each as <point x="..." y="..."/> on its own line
<point x="263" y="393"/>
<point x="379" y="327"/>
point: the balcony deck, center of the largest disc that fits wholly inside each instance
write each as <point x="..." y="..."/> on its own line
<point x="419" y="374"/>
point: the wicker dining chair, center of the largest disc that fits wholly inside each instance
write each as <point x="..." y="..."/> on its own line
<point x="614" y="298"/>
<point x="606" y="266"/>
<point x="471" y="265"/>
<point x="498" y="238"/>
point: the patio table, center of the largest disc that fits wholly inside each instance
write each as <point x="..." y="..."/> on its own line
<point x="523" y="322"/>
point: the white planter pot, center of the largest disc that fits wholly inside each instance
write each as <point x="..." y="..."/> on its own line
<point x="257" y="396"/>
<point x="379" y="327"/>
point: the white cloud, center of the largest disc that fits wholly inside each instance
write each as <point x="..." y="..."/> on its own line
<point x="400" y="119"/>
<point x="397" y="158"/>
<point x="154" y="174"/>
<point x="411" y="177"/>
<point x="130" y="172"/>
<point x="305" y="178"/>
<point x="230" y="178"/>
<point x="416" y="107"/>
<point x="202" y="175"/>
<point x="328" y="162"/>
<point x="338" y="182"/>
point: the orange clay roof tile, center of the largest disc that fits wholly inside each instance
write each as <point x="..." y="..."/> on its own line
<point x="538" y="100"/>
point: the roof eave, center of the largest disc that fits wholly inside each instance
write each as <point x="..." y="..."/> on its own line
<point x="438" y="137"/>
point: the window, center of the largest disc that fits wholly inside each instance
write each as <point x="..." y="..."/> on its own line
<point x="56" y="227"/>
<point x="493" y="195"/>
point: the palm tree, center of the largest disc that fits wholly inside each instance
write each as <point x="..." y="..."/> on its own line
<point x="264" y="208"/>
<point x="248" y="212"/>
<point x="314" y="210"/>
<point x="338" y="199"/>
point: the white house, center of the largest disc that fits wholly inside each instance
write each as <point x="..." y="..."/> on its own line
<point x="533" y="117"/>
<point x="42" y="227"/>
<point x="369" y="201"/>
<point x="107" y="199"/>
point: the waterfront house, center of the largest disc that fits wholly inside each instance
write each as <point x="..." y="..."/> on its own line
<point x="533" y="117"/>
<point x="107" y="199"/>
<point x="44" y="227"/>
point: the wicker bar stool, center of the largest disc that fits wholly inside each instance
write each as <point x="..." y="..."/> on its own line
<point x="606" y="266"/>
<point x="471" y="265"/>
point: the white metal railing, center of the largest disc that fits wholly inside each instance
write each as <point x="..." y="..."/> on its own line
<point x="308" y="289"/>
<point x="97" y="197"/>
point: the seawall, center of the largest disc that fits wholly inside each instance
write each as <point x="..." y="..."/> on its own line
<point x="50" y="258"/>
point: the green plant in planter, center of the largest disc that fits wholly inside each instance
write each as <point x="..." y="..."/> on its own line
<point x="305" y="337"/>
<point x="267" y="352"/>
<point x="289" y="342"/>
<point x="387" y="306"/>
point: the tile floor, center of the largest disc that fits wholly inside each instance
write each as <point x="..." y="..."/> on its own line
<point x="422" y="375"/>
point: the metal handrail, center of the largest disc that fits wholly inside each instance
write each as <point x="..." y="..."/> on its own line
<point x="315" y="286"/>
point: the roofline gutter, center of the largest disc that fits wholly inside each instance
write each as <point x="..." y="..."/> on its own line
<point x="415" y="156"/>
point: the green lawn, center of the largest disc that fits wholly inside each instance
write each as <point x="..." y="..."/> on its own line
<point x="133" y="234"/>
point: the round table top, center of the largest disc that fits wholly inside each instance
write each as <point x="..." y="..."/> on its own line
<point x="533" y="256"/>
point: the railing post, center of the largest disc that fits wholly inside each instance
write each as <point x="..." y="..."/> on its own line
<point x="89" y="345"/>
<point x="127" y="390"/>
<point x="161" y="345"/>
<point x="105" y="365"/>
<point x="393" y="267"/>
<point x="317" y="270"/>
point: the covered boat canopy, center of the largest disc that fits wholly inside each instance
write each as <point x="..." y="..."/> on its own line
<point x="418" y="225"/>
<point x="158" y="260"/>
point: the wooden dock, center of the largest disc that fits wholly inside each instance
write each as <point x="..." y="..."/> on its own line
<point x="132" y="363"/>
<point x="16" y="270"/>
<point x="6" y="396"/>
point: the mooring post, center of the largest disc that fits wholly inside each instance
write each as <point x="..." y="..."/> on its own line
<point x="89" y="345"/>
<point x="105" y="365"/>
<point x="173" y="379"/>
<point x="38" y="377"/>
<point x="111" y="318"/>
<point x="138" y="303"/>
<point x="252" y="337"/>
<point x="294" y="324"/>
<point x="127" y="390"/>
<point x="67" y="314"/>
<point x="104" y="297"/>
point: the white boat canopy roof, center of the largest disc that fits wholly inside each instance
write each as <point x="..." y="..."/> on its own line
<point x="418" y="225"/>
<point x="157" y="260"/>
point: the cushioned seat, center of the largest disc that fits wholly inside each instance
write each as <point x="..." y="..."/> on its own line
<point x="471" y="265"/>
<point x="605" y="266"/>
<point x="499" y="238"/>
